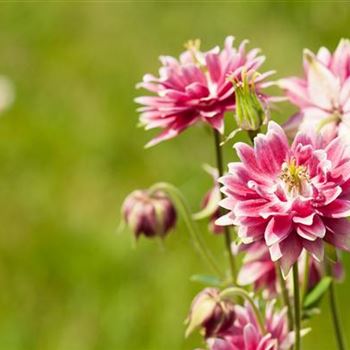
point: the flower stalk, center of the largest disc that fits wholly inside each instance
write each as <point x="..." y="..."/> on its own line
<point x="297" y="313"/>
<point x="185" y="212"/>
<point x="306" y="277"/>
<point x="227" y="233"/>
<point x="334" y="312"/>
<point x="285" y="296"/>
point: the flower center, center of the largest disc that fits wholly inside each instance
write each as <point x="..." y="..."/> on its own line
<point x="193" y="47"/>
<point x="295" y="178"/>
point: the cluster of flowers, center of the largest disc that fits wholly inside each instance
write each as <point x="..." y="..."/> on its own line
<point x="287" y="200"/>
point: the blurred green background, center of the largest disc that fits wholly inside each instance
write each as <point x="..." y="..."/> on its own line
<point x="70" y="152"/>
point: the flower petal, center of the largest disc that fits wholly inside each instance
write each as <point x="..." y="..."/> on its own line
<point x="339" y="208"/>
<point x="338" y="233"/>
<point x="315" y="248"/>
<point x="323" y="85"/>
<point x="291" y="249"/>
<point x="252" y="271"/>
<point x="277" y="229"/>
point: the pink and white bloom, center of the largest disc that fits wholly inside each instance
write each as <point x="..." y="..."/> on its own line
<point x="291" y="197"/>
<point x="195" y="88"/>
<point x="323" y="93"/>
<point x="245" y="333"/>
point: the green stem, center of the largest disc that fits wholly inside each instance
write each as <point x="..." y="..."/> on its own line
<point x="239" y="292"/>
<point x="185" y="213"/>
<point x="306" y="278"/>
<point x="297" y="315"/>
<point x="227" y="233"/>
<point x="285" y="296"/>
<point x="335" y="314"/>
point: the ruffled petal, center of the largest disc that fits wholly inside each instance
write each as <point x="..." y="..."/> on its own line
<point x="296" y="90"/>
<point x="339" y="208"/>
<point x="278" y="229"/>
<point x="315" y="248"/>
<point x="251" y="272"/>
<point x="323" y="85"/>
<point x="314" y="231"/>
<point x="271" y="149"/>
<point x="338" y="233"/>
<point x="291" y="249"/>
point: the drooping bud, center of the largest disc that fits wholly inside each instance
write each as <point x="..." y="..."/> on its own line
<point x="211" y="197"/>
<point x="211" y="313"/>
<point x="210" y="202"/>
<point x="149" y="213"/>
<point x="250" y="114"/>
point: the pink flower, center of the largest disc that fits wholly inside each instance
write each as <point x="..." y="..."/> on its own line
<point x="245" y="333"/>
<point x="151" y="214"/>
<point x="195" y="88"/>
<point x="323" y="94"/>
<point x="291" y="197"/>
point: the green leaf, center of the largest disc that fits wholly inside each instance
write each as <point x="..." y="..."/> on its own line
<point x="309" y="313"/>
<point x="207" y="280"/>
<point x="316" y="293"/>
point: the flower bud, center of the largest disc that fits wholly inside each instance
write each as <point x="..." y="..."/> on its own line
<point x="210" y="202"/>
<point x="210" y="313"/>
<point x="250" y="114"/>
<point x="152" y="214"/>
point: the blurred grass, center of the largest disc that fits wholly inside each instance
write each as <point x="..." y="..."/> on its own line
<point x="70" y="152"/>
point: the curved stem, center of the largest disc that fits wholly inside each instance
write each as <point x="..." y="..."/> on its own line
<point x="185" y="212"/>
<point x="334" y="311"/>
<point x="285" y="296"/>
<point x="239" y="292"/>
<point x="227" y="233"/>
<point x="297" y="316"/>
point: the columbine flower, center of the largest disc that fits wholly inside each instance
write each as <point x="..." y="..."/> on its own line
<point x="210" y="313"/>
<point x="195" y="88"/>
<point x="151" y="214"/>
<point x="323" y="94"/>
<point x="210" y="202"/>
<point x="292" y="197"/>
<point x="245" y="333"/>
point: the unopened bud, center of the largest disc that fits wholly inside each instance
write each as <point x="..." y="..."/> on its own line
<point x="210" y="202"/>
<point x="210" y="313"/>
<point x="250" y="114"/>
<point x="151" y="214"/>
